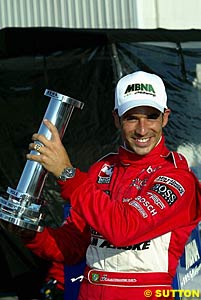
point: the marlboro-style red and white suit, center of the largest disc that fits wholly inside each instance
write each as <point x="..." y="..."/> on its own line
<point x="132" y="215"/>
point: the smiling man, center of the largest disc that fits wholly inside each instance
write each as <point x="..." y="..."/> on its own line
<point x="141" y="103"/>
<point x="133" y="212"/>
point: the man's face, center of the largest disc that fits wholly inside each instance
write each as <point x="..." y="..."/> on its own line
<point x="141" y="128"/>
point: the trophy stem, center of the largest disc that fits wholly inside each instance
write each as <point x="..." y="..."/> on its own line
<point x="24" y="207"/>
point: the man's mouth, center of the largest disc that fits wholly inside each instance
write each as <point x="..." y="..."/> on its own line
<point x="142" y="140"/>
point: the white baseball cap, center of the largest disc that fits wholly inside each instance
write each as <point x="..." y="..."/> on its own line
<point x="140" y="89"/>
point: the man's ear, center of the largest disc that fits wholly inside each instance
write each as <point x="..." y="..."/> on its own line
<point x="116" y="119"/>
<point x="166" y="116"/>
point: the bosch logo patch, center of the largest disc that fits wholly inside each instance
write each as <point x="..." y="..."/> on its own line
<point x="165" y="192"/>
<point x="146" y="204"/>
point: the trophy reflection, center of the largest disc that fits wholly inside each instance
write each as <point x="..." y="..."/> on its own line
<point x="23" y="206"/>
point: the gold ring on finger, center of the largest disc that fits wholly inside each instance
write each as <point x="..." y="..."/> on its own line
<point x="37" y="147"/>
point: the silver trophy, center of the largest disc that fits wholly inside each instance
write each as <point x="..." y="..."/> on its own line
<point x="23" y="206"/>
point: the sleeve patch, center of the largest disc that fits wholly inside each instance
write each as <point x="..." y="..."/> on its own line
<point x="139" y="208"/>
<point x="172" y="182"/>
<point x="164" y="191"/>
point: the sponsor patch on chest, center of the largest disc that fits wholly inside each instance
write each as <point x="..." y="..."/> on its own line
<point x="105" y="174"/>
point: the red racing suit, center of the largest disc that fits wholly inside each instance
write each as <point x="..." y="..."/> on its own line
<point x="134" y="215"/>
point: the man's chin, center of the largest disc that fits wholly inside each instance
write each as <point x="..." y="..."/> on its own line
<point x="141" y="151"/>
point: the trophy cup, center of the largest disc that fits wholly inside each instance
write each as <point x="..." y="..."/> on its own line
<point x="23" y="206"/>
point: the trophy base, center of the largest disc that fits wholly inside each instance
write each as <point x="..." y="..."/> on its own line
<point x="21" y="223"/>
<point x="21" y="213"/>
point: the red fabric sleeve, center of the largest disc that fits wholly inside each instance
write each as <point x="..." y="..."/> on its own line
<point x="67" y="243"/>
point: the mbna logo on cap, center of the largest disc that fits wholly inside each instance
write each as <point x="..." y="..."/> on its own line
<point x="140" y="88"/>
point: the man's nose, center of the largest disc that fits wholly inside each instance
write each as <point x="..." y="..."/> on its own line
<point x="142" y="127"/>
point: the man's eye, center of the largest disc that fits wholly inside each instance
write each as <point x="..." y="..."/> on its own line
<point x="130" y="118"/>
<point x="153" y="116"/>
